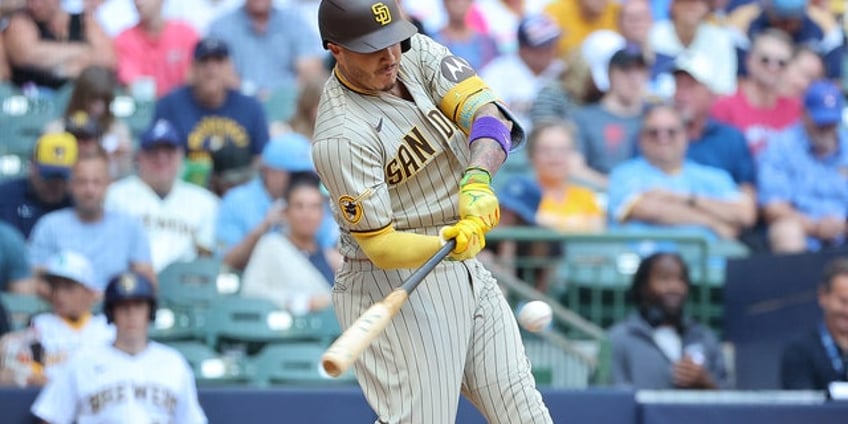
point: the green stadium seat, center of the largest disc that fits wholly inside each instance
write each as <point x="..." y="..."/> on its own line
<point x="174" y="323"/>
<point x="21" y="308"/>
<point x="192" y="283"/>
<point x="251" y="321"/>
<point x="211" y="368"/>
<point x="293" y="364"/>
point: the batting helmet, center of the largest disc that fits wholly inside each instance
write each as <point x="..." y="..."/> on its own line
<point x="363" y="26"/>
<point x="128" y="286"/>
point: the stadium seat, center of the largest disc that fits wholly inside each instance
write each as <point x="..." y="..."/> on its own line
<point x="294" y="364"/>
<point x="192" y="283"/>
<point x="253" y="322"/>
<point x="21" y="308"/>
<point x="211" y="368"/>
<point x="174" y="323"/>
<point x="321" y="326"/>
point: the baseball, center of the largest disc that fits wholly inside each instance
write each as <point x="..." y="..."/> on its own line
<point x="535" y="316"/>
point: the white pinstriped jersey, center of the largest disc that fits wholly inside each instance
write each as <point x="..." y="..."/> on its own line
<point x="61" y="341"/>
<point x="386" y="162"/>
<point x="108" y="385"/>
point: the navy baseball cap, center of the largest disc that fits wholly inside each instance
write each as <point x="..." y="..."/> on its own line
<point x="211" y="47"/>
<point x="160" y="133"/>
<point x="824" y="103"/>
<point x="521" y="196"/>
<point x="538" y="31"/>
<point x="631" y="56"/>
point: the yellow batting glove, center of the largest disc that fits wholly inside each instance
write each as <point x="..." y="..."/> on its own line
<point x="470" y="236"/>
<point x="477" y="199"/>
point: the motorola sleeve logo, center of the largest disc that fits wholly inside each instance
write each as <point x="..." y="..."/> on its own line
<point x="456" y="69"/>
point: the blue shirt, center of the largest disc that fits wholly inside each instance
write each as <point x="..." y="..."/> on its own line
<point x="238" y="125"/>
<point x="723" y="146"/>
<point x="636" y="176"/>
<point x="268" y="60"/>
<point x="14" y="264"/>
<point x="112" y="244"/>
<point x="789" y="172"/>
<point x="21" y="207"/>
<point x="245" y="206"/>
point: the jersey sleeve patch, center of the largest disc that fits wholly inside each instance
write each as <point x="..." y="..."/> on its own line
<point x="456" y="69"/>
<point x="351" y="209"/>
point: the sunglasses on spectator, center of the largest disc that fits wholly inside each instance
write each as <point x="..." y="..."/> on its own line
<point x="657" y="132"/>
<point x="768" y="60"/>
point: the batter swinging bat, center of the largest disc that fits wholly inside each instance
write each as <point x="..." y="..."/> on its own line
<point x="347" y="348"/>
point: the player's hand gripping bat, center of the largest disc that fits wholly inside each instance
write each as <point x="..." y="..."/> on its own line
<point x="347" y="348"/>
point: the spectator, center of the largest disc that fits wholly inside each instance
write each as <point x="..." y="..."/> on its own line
<point x="802" y="184"/>
<point x="757" y="109"/>
<point x="805" y="67"/>
<point x="133" y="377"/>
<point x="156" y="50"/>
<point x="112" y="241"/>
<point x="43" y="350"/>
<point x="579" y="18"/>
<point x="48" y="47"/>
<point x="688" y="31"/>
<point x="501" y="19"/>
<point x="820" y="356"/>
<point x="657" y="347"/>
<point x="90" y="99"/>
<point x="805" y="24"/>
<point x="15" y="275"/>
<point x="711" y="142"/>
<point x="477" y="48"/>
<point x="635" y="24"/>
<point x="607" y="130"/>
<point x="179" y="217"/>
<point x="253" y="209"/>
<point x="45" y="188"/>
<point x="215" y="120"/>
<point x="276" y="48"/>
<point x="5" y="69"/>
<point x="597" y="50"/>
<point x="517" y="78"/>
<point x="663" y="189"/>
<point x="289" y="267"/>
<point x="306" y="108"/>
<point x="549" y="199"/>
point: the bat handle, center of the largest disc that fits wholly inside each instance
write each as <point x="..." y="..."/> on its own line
<point x="418" y="275"/>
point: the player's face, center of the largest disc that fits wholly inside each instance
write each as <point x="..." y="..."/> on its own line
<point x="132" y="318"/>
<point x="69" y="298"/>
<point x="158" y="166"/>
<point x="304" y="211"/>
<point x="89" y="181"/>
<point x="552" y="153"/>
<point x="376" y="71"/>
<point x="834" y="304"/>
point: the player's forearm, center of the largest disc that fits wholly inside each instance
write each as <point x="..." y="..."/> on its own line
<point x="390" y="249"/>
<point x="486" y="152"/>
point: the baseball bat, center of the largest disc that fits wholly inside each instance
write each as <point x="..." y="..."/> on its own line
<point x="347" y="348"/>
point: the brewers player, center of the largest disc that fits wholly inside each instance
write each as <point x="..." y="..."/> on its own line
<point x="403" y="126"/>
<point x="133" y="380"/>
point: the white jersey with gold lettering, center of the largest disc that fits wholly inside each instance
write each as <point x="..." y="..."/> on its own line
<point x="107" y="385"/>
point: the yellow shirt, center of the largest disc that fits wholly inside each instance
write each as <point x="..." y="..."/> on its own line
<point x="570" y="213"/>
<point x="574" y="27"/>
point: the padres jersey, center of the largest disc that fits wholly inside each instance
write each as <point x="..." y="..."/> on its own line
<point x="176" y="225"/>
<point x="107" y="385"/>
<point x="62" y="339"/>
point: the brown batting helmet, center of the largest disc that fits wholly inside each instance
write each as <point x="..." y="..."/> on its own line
<point x="363" y="26"/>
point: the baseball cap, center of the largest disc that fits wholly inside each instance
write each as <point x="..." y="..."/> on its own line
<point x="538" y="31"/>
<point x="211" y="47"/>
<point x="789" y="8"/>
<point x="521" y="196"/>
<point x="628" y="57"/>
<point x="290" y="152"/>
<point x="597" y="50"/>
<point x="161" y="132"/>
<point x="73" y="266"/>
<point x="82" y="126"/>
<point x="55" y="154"/>
<point x="697" y="65"/>
<point x="824" y="103"/>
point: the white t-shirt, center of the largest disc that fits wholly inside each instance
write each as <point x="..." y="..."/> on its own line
<point x="61" y="341"/>
<point x="175" y="225"/>
<point x="514" y="83"/>
<point x="107" y="385"/>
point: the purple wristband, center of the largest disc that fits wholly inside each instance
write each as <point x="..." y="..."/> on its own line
<point x="491" y="127"/>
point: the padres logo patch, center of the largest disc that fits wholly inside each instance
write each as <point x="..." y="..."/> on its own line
<point x="382" y="14"/>
<point x="351" y="209"/>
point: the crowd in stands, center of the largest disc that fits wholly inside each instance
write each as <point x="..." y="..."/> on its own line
<point x="706" y="117"/>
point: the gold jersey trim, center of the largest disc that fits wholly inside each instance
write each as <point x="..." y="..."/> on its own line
<point x="460" y="104"/>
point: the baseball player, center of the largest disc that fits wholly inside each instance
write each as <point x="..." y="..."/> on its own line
<point x="406" y="141"/>
<point x="38" y="353"/>
<point x="133" y="380"/>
